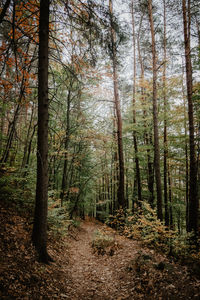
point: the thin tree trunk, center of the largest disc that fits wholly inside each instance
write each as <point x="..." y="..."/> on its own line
<point x="155" y="117"/>
<point x="115" y="165"/>
<point x="121" y="198"/>
<point x="126" y="181"/>
<point x="27" y="140"/>
<point x="193" y="192"/>
<point x="165" y="121"/>
<point x="139" y="190"/>
<point x="149" y="142"/>
<point x="29" y="150"/>
<point x="11" y="132"/>
<point x="170" y="199"/>
<point x="39" y="234"/>
<point x="147" y="138"/>
<point x="64" y="177"/>
<point x="30" y="145"/>
<point x="186" y="155"/>
<point x="111" y="188"/>
<point x="2" y="111"/>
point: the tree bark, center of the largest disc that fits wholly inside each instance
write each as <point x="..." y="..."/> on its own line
<point x="67" y="134"/>
<point x="193" y="190"/>
<point x="121" y="198"/>
<point x="186" y="153"/>
<point x="171" y="224"/>
<point x="139" y="190"/>
<point x="147" y="137"/>
<point x="165" y="120"/>
<point x="39" y="234"/>
<point x="27" y="140"/>
<point x="155" y="117"/>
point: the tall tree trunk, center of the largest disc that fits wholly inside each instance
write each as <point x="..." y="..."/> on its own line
<point x="126" y="179"/>
<point x="67" y="134"/>
<point x="139" y="190"/>
<point x="121" y="198"/>
<point x="186" y="153"/>
<point x="193" y="191"/>
<point x="170" y="199"/>
<point x="2" y="113"/>
<point x="147" y="137"/>
<point x="29" y="150"/>
<point x="155" y="117"/>
<point x="39" y="234"/>
<point x="165" y="120"/>
<point x="27" y="140"/>
<point x="11" y="132"/>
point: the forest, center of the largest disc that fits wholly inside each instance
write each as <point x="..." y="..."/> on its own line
<point x="99" y="149"/>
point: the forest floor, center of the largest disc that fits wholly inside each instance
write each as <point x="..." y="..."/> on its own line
<point x="125" y="270"/>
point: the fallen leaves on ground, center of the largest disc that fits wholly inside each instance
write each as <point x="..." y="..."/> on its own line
<point x="131" y="272"/>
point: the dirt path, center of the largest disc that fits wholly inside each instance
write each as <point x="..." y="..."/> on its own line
<point x="95" y="276"/>
<point x="132" y="272"/>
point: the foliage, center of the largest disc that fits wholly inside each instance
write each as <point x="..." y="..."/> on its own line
<point x="144" y="226"/>
<point x="103" y="243"/>
<point x="58" y="216"/>
<point x="117" y="221"/>
<point x="82" y="124"/>
<point x="16" y="189"/>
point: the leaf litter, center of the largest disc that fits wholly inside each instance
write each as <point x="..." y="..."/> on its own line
<point x="129" y="271"/>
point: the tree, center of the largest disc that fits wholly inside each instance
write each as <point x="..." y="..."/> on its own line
<point x="165" y="119"/>
<point x="134" y="112"/>
<point x="155" y="116"/>
<point x="193" y="190"/>
<point x="147" y="133"/>
<point x="39" y="234"/>
<point x="121" y="198"/>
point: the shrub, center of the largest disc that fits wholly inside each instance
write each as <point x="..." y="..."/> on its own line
<point x="15" y="189"/>
<point x="143" y="225"/>
<point x="58" y="217"/>
<point x="146" y="226"/>
<point x="103" y="244"/>
<point x="117" y="221"/>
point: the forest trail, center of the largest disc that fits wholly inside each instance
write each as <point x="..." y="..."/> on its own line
<point x="126" y="271"/>
<point x="131" y="272"/>
<point x="99" y="276"/>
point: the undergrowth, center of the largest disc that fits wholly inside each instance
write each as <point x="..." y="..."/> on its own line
<point x="59" y="216"/>
<point x="144" y="226"/>
<point x="15" y="189"/>
<point x="103" y="243"/>
<point x="19" y="191"/>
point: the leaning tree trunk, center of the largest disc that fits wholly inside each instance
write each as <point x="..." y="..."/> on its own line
<point x="193" y="190"/>
<point x="39" y="235"/>
<point x="155" y="117"/>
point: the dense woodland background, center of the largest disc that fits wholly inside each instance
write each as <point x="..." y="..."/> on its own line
<point x="110" y="91"/>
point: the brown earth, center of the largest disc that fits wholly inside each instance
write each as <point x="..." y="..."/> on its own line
<point x="127" y="271"/>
